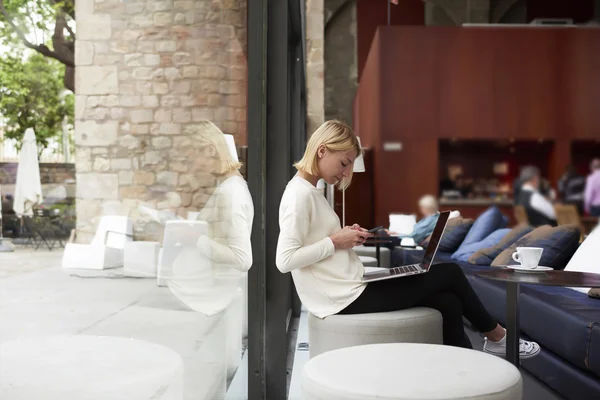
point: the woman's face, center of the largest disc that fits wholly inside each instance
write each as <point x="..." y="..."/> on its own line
<point x="335" y="165"/>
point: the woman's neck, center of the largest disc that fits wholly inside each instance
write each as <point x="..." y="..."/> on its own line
<point x="308" y="177"/>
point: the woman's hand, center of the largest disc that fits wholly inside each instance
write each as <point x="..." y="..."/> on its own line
<point x="357" y="227"/>
<point x="349" y="237"/>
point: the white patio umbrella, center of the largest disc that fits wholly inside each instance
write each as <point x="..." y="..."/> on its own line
<point x="28" y="190"/>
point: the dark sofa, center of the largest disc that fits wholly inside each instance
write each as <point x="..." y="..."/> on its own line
<point x="564" y="322"/>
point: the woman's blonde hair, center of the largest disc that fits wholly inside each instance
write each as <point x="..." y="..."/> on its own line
<point x="208" y="134"/>
<point x="335" y="136"/>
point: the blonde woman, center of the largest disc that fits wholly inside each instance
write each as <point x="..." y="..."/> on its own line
<point x="206" y="276"/>
<point x="328" y="274"/>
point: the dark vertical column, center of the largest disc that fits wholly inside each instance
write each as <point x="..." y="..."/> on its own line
<point x="273" y="120"/>
<point x="257" y="178"/>
<point x="297" y="105"/>
<point x="279" y="166"/>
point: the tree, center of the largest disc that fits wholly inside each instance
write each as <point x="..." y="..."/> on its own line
<point x="28" y="22"/>
<point x="32" y="95"/>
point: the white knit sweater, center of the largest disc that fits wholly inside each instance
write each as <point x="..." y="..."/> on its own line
<point x="327" y="280"/>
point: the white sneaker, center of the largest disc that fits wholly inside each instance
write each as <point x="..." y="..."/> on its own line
<point x="527" y="349"/>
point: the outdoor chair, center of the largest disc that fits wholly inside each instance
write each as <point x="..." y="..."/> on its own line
<point x="107" y="247"/>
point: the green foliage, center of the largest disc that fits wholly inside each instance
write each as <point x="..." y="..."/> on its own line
<point x="45" y="26"/>
<point x="32" y="95"/>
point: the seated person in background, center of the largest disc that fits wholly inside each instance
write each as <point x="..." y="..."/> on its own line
<point x="429" y="209"/>
<point x="592" y="190"/>
<point x="539" y="209"/>
<point x="571" y="187"/>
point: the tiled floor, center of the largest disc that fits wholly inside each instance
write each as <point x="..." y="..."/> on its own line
<point x="533" y="389"/>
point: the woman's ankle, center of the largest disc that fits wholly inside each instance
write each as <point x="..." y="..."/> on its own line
<point x="497" y="334"/>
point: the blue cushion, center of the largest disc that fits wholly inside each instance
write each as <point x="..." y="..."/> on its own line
<point x="487" y="255"/>
<point x="491" y="220"/>
<point x="464" y="252"/>
<point x="559" y="244"/>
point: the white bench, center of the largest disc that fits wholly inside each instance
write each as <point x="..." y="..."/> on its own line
<point x="415" y="325"/>
<point x="89" y="367"/>
<point x="408" y="371"/>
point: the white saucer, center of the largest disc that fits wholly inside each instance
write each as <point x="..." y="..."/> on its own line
<point x="536" y="270"/>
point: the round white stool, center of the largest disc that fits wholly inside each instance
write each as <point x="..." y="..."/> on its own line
<point x="414" y="325"/>
<point x="89" y="367"/>
<point x="368" y="261"/>
<point x="406" y="371"/>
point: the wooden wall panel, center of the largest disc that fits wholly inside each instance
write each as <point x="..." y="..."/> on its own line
<point x="409" y="82"/>
<point x="370" y="14"/>
<point x="429" y="83"/>
<point x="582" y="100"/>
<point x="466" y="93"/>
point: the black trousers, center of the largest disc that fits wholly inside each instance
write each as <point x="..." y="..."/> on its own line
<point x="595" y="211"/>
<point x="444" y="288"/>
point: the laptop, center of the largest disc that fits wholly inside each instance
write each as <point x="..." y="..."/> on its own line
<point x="414" y="269"/>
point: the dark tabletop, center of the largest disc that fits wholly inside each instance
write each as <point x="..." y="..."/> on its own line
<point x="549" y="278"/>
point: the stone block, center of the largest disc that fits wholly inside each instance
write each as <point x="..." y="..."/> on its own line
<point x="83" y="159"/>
<point x="92" y="133"/>
<point x="126" y="177"/>
<point x="151" y="60"/>
<point x="143" y="178"/>
<point x="150" y="101"/>
<point x="201" y="114"/>
<point x="93" y="26"/>
<point x="170" y="129"/>
<point x="142" y="73"/>
<point x="182" y="58"/>
<point x="80" y="104"/>
<point x="161" y="143"/>
<point x="166" y="46"/>
<point x="133" y="60"/>
<point x="182" y="115"/>
<point x="163" y="18"/>
<point x="117" y="164"/>
<point x="130" y="101"/>
<point x="84" y="52"/>
<point x="172" y="73"/>
<point x="101" y="164"/>
<point x="167" y="178"/>
<point x="160" y="88"/>
<point x="140" y="116"/>
<point x="129" y="142"/>
<point x="97" y="80"/>
<point x="84" y="6"/>
<point x="97" y="186"/>
<point x="163" y="115"/>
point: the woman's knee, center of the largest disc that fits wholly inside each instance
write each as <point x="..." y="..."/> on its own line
<point x="451" y="269"/>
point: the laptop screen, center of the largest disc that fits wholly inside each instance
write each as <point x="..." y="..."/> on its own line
<point x="434" y="242"/>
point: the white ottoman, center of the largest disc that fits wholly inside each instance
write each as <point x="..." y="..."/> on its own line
<point x="141" y="259"/>
<point x="407" y="371"/>
<point x="368" y="261"/>
<point x="414" y="325"/>
<point x="89" y="367"/>
<point x="371" y="251"/>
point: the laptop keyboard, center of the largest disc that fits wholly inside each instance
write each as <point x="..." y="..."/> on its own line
<point x="405" y="269"/>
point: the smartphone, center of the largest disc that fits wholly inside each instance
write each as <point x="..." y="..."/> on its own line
<point x="374" y="230"/>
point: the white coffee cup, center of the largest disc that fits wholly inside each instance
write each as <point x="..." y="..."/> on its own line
<point x="528" y="257"/>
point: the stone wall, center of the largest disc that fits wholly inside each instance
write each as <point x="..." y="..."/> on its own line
<point x="315" y="65"/>
<point x="341" y="71"/>
<point x="146" y="72"/>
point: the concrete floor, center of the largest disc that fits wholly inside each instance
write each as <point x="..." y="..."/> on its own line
<point x="39" y="299"/>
